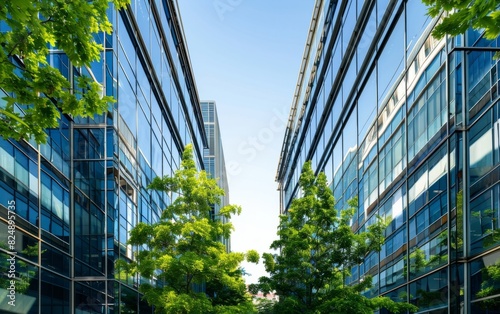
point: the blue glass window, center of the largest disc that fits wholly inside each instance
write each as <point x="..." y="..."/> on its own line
<point x="391" y="62"/>
<point x="431" y="291"/>
<point x="481" y="148"/>
<point x="367" y="35"/>
<point x="367" y="107"/>
<point x="127" y="102"/>
<point x="348" y="26"/>
<point x="350" y="145"/>
<point x="416" y="22"/>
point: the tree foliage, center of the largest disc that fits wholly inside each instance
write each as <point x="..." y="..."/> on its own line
<point x="462" y="14"/>
<point x="264" y="306"/>
<point x="36" y="92"/>
<point x="318" y="248"/>
<point x="183" y="250"/>
<point x="490" y="285"/>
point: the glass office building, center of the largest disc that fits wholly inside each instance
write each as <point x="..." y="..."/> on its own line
<point x="213" y="158"/>
<point x="410" y="126"/>
<point x="77" y="197"/>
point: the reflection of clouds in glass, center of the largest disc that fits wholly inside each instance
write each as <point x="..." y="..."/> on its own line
<point x="428" y="178"/>
<point x="496" y="136"/>
<point x="479" y="151"/>
<point x="491" y="259"/>
<point x="397" y="204"/>
<point x="391" y="109"/>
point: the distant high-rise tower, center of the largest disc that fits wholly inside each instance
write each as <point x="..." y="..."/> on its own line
<point x="409" y="125"/>
<point x="77" y="197"/>
<point x="213" y="157"/>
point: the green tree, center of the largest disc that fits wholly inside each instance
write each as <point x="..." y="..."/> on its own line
<point x="318" y="248"/>
<point x="264" y="306"/>
<point x="25" y="273"/>
<point x="462" y="14"/>
<point x="37" y="93"/>
<point x="490" y="285"/>
<point x="183" y="250"/>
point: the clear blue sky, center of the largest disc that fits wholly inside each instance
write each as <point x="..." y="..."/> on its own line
<point x="246" y="56"/>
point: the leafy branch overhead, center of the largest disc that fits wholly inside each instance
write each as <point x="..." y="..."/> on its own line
<point x="183" y="250"/>
<point x="462" y="14"/>
<point x="36" y="92"/>
<point x="317" y="250"/>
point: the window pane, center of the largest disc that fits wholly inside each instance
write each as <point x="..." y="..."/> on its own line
<point x="481" y="148"/>
<point x="390" y="64"/>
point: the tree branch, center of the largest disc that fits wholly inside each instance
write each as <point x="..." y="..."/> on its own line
<point x="28" y="34"/>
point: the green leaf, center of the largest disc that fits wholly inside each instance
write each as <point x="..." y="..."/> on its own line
<point x="183" y="249"/>
<point x="481" y="15"/>
<point x="33" y="27"/>
<point x="317" y="249"/>
<point x="253" y="256"/>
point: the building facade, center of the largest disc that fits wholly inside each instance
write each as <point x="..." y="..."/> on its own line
<point x="75" y="199"/>
<point x="409" y="125"/>
<point x="213" y="158"/>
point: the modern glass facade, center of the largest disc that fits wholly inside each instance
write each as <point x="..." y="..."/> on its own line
<point x="75" y="199"/>
<point x="410" y="126"/>
<point x="213" y="158"/>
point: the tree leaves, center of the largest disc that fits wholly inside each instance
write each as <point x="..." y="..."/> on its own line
<point x="252" y="256"/>
<point x="183" y="248"/>
<point x="38" y="93"/>
<point x="462" y="14"/>
<point x="317" y="250"/>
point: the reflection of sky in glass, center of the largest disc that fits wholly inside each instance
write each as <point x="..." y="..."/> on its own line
<point x="417" y="20"/>
<point x="397" y="204"/>
<point x="427" y="178"/>
<point x="480" y="149"/>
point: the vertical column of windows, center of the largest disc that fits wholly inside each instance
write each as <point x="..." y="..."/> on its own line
<point x="427" y="117"/>
<point x="481" y="75"/>
<point x="19" y="187"/>
<point x="367" y="36"/>
<point x="416" y="22"/>
<point x="91" y="179"/>
<point x="392" y="158"/>
<point x="430" y="292"/>
<point x="19" y="181"/>
<point x="367" y="106"/>
<point x="390" y="63"/>
<point x="484" y="287"/>
<point x="349" y="160"/>
<point x="26" y="274"/>
<point x="483" y="172"/>
<point x="428" y="242"/>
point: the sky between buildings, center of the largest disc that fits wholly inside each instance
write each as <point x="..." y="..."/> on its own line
<point x="246" y="56"/>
